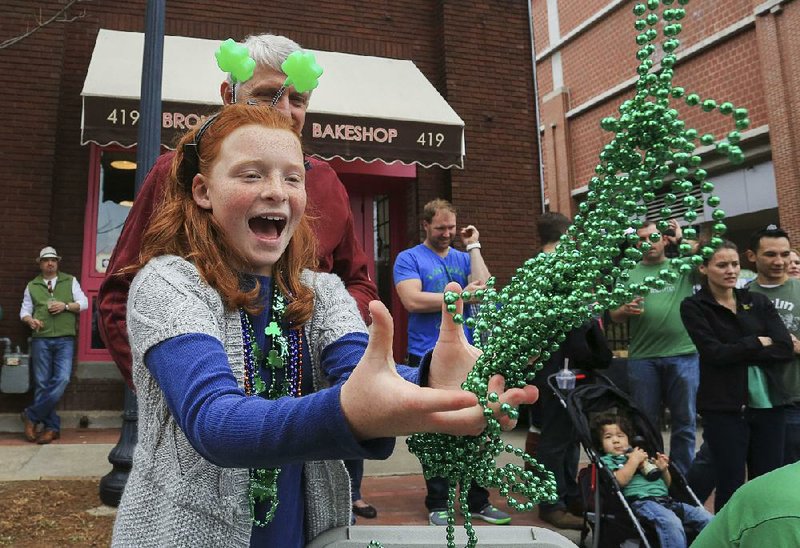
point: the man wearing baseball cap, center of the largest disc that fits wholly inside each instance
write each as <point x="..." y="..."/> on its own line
<point x="50" y="307"/>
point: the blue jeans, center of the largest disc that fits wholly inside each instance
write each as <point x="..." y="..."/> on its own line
<point x="51" y="359"/>
<point x="791" y="449"/>
<point x="702" y="476"/>
<point x="671" y="519"/>
<point x="673" y="380"/>
<point x="438" y="489"/>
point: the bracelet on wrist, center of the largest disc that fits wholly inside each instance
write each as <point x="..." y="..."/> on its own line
<point x="474" y="245"/>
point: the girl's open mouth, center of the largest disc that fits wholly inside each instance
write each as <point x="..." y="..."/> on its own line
<point x="267" y="226"/>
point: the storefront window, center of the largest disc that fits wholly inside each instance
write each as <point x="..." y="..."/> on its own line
<point x="115" y="198"/>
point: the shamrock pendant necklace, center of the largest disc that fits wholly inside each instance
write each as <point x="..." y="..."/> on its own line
<point x="285" y="379"/>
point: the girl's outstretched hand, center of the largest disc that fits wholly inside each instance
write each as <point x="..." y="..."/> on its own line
<point x="378" y="402"/>
<point x="453" y="358"/>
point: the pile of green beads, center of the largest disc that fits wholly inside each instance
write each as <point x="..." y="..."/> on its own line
<point x="652" y="152"/>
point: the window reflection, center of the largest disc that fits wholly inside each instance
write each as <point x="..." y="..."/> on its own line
<point x="115" y="199"/>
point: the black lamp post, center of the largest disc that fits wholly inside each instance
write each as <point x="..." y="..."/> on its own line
<point x="147" y="150"/>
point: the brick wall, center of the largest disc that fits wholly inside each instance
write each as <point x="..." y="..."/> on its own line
<point x="492" y="88"/>
<point x="756" y="68"/>
<point x="573" y="14"/>
<point x="600" y="58"/>
<point x="544" y="76"/>
<point x="540" y="24"/>
<point x="716" y="74"/>
<point x="779" y="50"/>
<point x="557" y="164"/>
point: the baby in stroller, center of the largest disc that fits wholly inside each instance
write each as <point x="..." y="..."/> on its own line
<point x="645" y="484"/>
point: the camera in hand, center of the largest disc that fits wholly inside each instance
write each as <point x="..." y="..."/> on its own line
<point x="650" y="471"/>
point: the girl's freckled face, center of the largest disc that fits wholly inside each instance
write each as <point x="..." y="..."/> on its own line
<point x="256" y="192"/>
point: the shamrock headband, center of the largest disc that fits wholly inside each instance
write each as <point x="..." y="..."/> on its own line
<point x="302" y="72"/>
<point x="300" y="67"/>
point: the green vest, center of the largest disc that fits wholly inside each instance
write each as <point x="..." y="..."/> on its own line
<point x="55" y="325"/>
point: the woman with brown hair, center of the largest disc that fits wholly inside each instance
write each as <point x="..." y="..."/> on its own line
<point x="253" y="372"/>
<point x="742" y="343"/>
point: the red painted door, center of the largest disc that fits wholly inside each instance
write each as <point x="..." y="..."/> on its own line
<point x="379" y="222"/>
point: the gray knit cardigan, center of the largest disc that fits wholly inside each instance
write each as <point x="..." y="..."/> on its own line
<point x="175" y="497"/>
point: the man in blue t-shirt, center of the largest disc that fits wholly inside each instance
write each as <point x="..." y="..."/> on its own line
<point x="420" y="276"/>
<point x="422" y="272"/>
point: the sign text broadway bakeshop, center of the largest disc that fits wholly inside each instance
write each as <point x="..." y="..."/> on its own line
<point x="347" y="132"/>
<point x="328" y="135"/>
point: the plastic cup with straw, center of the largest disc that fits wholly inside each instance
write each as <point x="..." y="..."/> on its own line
<point x="565" y="379"/>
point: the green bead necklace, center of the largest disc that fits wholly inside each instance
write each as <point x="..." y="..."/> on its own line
<point x="551" y="294"/>
<point x="263" y="487"/>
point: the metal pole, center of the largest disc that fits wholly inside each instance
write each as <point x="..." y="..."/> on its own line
<point x="147" y="151"/>
<point x="536" y="107"/>
<point x="149" y="139"/>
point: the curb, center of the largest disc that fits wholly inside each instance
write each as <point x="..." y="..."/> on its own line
<point x="10" y="422"/>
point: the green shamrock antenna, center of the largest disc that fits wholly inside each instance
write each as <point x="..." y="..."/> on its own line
<point x="235" y="59"/>
<point x="651" y="152"/>
<point x="302" y="72"/>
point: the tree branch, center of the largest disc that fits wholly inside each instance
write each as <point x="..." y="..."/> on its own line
<point x="59" y="17"/>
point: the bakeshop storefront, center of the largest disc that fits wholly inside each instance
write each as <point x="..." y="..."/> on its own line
<point x="376" y="120"/>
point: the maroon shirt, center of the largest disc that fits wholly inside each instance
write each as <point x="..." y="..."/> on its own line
<point x="337" y="248"/>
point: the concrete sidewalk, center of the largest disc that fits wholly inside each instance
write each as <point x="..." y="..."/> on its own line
<point x="395" y="486"/>
<point x="83" y="453"/>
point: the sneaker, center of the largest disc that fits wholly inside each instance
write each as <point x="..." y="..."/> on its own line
<point x="438" y="517"/>
<point x="493" y="515"/>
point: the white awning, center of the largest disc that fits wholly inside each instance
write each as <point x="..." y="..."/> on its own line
<point x="367" y="108"/>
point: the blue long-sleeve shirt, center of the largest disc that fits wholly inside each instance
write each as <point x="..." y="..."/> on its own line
<point x="232" y="430"/>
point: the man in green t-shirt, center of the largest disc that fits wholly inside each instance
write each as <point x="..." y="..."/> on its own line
<point x="762" y="513"/>
<point x="663" y="365"/>
<point x="770" y="250"/>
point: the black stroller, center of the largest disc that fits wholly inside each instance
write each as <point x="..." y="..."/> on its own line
<point x="607" y="515"/>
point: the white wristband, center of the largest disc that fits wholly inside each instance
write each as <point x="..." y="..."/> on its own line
<point x="474" y="245"/>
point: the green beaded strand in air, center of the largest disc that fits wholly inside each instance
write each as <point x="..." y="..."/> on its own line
<point x="651" y="151"/>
